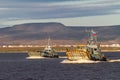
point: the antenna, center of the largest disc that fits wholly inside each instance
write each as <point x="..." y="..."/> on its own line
<point x="49" y="41"/>
<point x="88" y="35"/>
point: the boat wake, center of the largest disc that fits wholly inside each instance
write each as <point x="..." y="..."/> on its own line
<point x="79" y="61"/>
<point x="35" y="57"/>
<point x="114" y="60"/>
<point x="88" y="61"/>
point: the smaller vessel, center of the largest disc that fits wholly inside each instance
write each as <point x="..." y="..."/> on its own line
<point x="91" y="51"/>
<point x="48" y="51"/>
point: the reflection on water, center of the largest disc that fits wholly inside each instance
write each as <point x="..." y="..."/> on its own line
<point x="15" y="66"/>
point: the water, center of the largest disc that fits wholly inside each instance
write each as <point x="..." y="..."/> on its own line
<point x="112" y="55"/>
<point x="13" y="56"/>
<point x="15" y="66"/>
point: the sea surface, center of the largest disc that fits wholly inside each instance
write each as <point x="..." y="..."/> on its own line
<point x="15" y="66"/>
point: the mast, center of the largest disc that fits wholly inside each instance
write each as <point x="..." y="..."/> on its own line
<point x="93" y="37"/>
<point x="48" y="44"/>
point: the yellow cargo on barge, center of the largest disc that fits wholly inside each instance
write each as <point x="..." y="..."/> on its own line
<point x="91" y="51"/>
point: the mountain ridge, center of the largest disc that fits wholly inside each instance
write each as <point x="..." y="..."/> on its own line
<point x="37" y="33"/>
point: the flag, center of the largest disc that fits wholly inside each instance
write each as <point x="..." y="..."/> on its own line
<point x="94" y="33"/>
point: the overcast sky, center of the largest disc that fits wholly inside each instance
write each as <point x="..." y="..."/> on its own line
<point x="68" y="12"/>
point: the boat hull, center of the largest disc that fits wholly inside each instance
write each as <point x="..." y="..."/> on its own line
<point x="42" y="54"/>
<point x="83" y="54"/>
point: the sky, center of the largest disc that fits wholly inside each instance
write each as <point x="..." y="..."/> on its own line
<point x="68" y="12"/>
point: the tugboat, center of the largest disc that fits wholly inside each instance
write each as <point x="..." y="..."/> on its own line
<point x="48" y="51"/>
<point x="91" y="51"/>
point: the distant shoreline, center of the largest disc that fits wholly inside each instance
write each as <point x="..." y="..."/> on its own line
<point x="58" y="49"/>
<point x="110" y="50"/>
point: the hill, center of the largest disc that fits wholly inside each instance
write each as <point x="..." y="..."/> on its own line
<point x="38" y="33"/>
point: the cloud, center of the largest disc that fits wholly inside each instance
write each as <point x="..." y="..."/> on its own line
<point x="53" y="9"/>
<point x="103" y="20"/>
